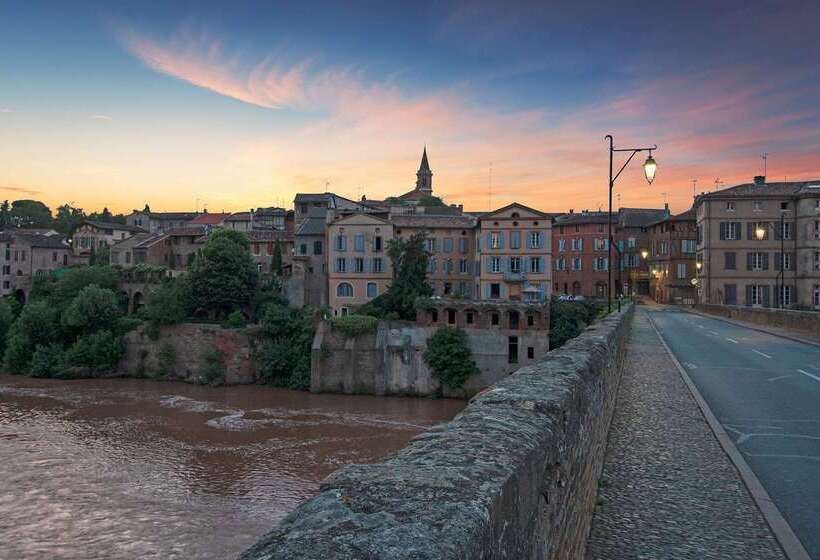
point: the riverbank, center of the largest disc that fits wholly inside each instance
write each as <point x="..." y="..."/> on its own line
<point x="134" y="468"/>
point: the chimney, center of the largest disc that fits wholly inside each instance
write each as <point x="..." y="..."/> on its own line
<point x="571" y="210"/>
<point x="760" y="180"/>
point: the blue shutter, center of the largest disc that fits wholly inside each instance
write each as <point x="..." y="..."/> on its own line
<point x="344" y="243"/>
<point x="489" y="241"/>
<point x="367" y="265"/>
<point x="500" y="239"/>
<point x="335" y="265"/>
<point x="540" y="238"/>
<point x="350" y="265"/>
<point x="486" y="291"/>
<point x="501" y="291"/>
<point x="487" y="264"/>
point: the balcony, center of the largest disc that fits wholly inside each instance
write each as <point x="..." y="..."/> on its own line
<point x="515" y="277"/>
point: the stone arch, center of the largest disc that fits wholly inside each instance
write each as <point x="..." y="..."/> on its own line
<point x="20" y="295"/>
<point x="137" y="301"/>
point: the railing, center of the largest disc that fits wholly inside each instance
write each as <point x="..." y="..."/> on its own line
<point x="515" y="277"/>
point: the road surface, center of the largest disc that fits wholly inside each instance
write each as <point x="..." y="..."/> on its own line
<point x="765" y="391"/>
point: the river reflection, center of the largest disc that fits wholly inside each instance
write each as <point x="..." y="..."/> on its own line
<point x="127" y="468"/>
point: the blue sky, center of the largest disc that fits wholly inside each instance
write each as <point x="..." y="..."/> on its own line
<point x="243" y="104"/>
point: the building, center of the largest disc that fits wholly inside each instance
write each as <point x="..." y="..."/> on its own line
<point x="28" y="255"/>
<point x="93" y="236"/>
<point x="141" y="248"/>
<point x="450" y="242"/>
<point x="263" y="243"/>
<point x="758" y="244"/>
<point x="580" y="247"/>
<point x="358" y="267"/>
<point x="309" y="262"/>
<point x="155" y="222"/>
<point x="514" y="252"/>
<point x="672" y="262"/>
<point x="209" y="220"/>
<point x="312" y="204"/>
<point x="631" y="241"/>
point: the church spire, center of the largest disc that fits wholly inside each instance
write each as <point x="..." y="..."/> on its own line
<point x="424" y="176"/>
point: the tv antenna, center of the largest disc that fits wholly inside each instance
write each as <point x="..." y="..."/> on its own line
<point x="765" y="156"/>
<point x="490" y="190"/>
<point x="694" y="187"/>
<point x="665" y="199"/>
<point x="718" y="183"/>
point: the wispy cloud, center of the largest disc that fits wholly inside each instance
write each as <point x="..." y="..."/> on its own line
<point x="21" y="190"/>
<point x="101" y="118"/>
<point x="6" y="110"/>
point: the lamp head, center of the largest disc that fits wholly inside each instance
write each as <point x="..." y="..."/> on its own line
<point x="650" y="166"/>
<point x="760" y="232"/>
<point x="644" y="254"/>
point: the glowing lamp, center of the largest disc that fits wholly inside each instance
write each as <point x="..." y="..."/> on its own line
<point x="650" y="166"/>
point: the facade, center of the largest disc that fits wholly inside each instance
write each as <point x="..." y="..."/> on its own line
<point x="450" y="242"/>
<point x="209" y="220"/>
<point x="580" y="248"/>
<point x="514" y="252"/>
<point x="27" y="255"/>
<point x="141" y="248"/>
<point x="759" y="245"/>
<point x="263" y="242"/>
<point x="92" y="236"/>
<point x="631" y="240"/>
<point x="358" y="266"/>
<point x="672" y="263"/>
<point x="155" y="222"/>
<point x="310" y="261"/>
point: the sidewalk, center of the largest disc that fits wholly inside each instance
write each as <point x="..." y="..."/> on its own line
<point x="791" y="334"/>
<point x="668" y="491"/>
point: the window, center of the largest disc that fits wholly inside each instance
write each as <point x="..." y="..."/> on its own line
<point x="515" y="240"/>
<point x="576" y="263"/>
<point x="512" y="350"/>
<point x="783" y="261"/>
<point x="448" y="288"/>
<point x="463" y="245"/>
<point x="578" y="244"/>
<point x="786" y="232"/>
<point x="358" y="265"/>
<point x="495" y="265"/>
<point x="358" y="243"/>
<point x="434" y="316"/>
<point x="530" y="353"/>
<point x="462" y="266"/>
<point x="494" y="319"/>
<point x="448" y="266"/>
<point x="755" y="294"/>
<point x="535" y="265"/>
<point x="784" y="205"/>
<point x="495" y="293"/>
<point x="816" y="260"/>
<point x="448" y="244"/>
<point x="561" y="264"/>
<point x="377" y="244"/>
<point x="730" y="294"/>
<point x="303" y="248"/>
<point x="431" y="266"/>
<point x="730" y="230"/>
<point x="681" y="270"/>
<point x="372" y="290"/>
<point x="730" y="260"/>
<point x="535" y="240"/>
<point x="317" y="247"/>
<point x="468" y="316"/>
<point x="341" y="264"/>
<point x="54" y="257"/>
<point x="515" y="265"/>
<point x="530" y="320"/>
<point x="599" y="263"/>
<point x="757" y="205"/>
<point x="757" y="261"/>
<point x="817" y="229"/>
<point x="815" y="295"/>
<point x="377" y="265"/>
<point x="341" y="243"/>
<point x="785" y="296"/>
<point x="688" y="245"/>
<point x="730" y="206"/>
<point x="562" y="243"/>
<point x="127" y="257"/>
<point x="258" y="265"/>
<point x="344" y="290"/>
<point x="495" y="240"/>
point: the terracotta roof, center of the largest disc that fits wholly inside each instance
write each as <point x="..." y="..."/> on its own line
<point x="433" y="221"/>
<point x="787" y="188"/>
<point x="210" y="218"/>
<point x="640" y="217"/>
<point x="187" y="231"/>
<point x="114" y="225"/>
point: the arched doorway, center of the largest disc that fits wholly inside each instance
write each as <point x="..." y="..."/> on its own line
<point x="136" y="302"/>
<point x="576" y="288"/>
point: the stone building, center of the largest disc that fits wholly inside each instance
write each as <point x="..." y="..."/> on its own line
<point x="580" y="248"/>
<point x="141" y="248"/>
<point x="358" y="266"/>
<point x="93" y="236"/>
<point x="631" y="240"/>
<point x="263" y="244"/>
<point x="27" y="255"/>
<point x="673" y="248"/>
<point x="155" y="222"/>
<point x="514" y="251"/>
<point x="759" y="244"/>
<point x="309" y="274"/>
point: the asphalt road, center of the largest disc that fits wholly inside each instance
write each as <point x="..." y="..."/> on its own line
<point x="765" y="391"/>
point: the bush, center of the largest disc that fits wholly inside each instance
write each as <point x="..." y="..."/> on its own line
<point x="166" y="304"/>
<point x="568" y="319"/>
<point x="354" y="325"/>
<point x="124" y="325"/>
<point x="47" y="361"/>
<point x="92" y="309"/>
<point x="235" y="320"/>
<point x="166" y="359"/>
<point x="100" y="351"/>
<point x="213" y="370"/>
<point x="448" y="357"/>
<point x="283" y="355"/>
<point x="6" y="320"/>
<point x="36" y="325"/>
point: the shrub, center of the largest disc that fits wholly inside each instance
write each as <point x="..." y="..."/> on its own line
<point x="6" y="320"/>
<point x="124" y="325"/>
<point x="47" y="360"/>
<point x="568" y="319"/>
<point x="354" y="325"/>
<point x="283" y="355"/>
<point x="166" y="304"/>
<point x="213" y="370"/>
<point x="92" y="309"/>
<point x="36" y="325"/>
<point x="235" y="320"/>
<point x="100" y="351"/>
<point x="448" y="357"/>
<point x="166" y="359"/>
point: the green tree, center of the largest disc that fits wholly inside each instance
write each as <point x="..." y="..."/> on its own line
<point x="37" y="324"/>
<point x="30" y="214"/>
<point x="223" y="277"/>
<point x="276" y="259"/>
<point x="68" y="218"/>
<point x="66" y="287"/>
<point x="409" y="283"/>
<point x="47" y="360"/>
<point x="93" y="309"/>
<point x="449" y="358"/>
<point x="165" y="304"/>
<point x="6" y="320"/>
<point x="5" y="214"/>
<point x="284" y="353"/>
<point x="99" y="351"/>
<point x="568" y="319"/>
<point x="430" y="200"/>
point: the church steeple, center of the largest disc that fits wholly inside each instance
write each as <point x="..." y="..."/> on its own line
<point x="424" y="176"/>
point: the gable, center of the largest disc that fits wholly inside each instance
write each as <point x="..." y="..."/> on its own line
<point x="520" y="210"/>
<point x="360" y="220"/>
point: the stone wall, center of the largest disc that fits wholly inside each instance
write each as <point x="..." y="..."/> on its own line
<point x="802" y="321"/>
<point x="513" y="476"/>
<point x="191" y="343"/>
<point x="390" y="361"/>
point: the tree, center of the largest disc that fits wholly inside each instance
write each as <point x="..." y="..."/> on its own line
<point x="6" y="320"/>
<point x="430" y="200"/>
<point x="568" y="319"/>
<point x="409" y="261"/>
<point x="449" y="358"/>
<point x="223" y="276"/>
<point x="37" y="324"/>
<point x="166" y="303"/>
<point x="276" y="260"/>
<point x="5" y="214"/>
<point x="98" y="351"/>
<point x="92" y="310"/>
<point x="63" y="290"/>
<point x="68" y="219"/>
<point x="284" y="353"/>
<point x="30" y="214"/>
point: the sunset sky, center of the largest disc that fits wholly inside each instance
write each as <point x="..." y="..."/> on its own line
<point x="243" y="104"/>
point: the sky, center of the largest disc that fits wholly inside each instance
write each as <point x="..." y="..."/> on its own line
<point x="237" y="105"/>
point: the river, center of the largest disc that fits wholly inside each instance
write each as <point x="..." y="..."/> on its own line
<point x="131" y="468"/>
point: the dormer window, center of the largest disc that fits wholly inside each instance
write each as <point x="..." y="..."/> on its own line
<point x="757" y="205"/>
<point x="730" y="206"/>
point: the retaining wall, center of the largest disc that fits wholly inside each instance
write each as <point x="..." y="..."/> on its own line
<point x="512" y="476"/>
<point x="801" y="321"/>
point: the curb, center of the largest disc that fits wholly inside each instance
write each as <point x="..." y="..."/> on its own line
<point x="791" y="545"/>
<point x="752" y="327"/>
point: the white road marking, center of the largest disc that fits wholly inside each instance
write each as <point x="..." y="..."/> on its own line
<point x="732" y="340"/>
<point x="780" y="377"/>
<point x="701" y="327"/>
<point x="690" y="365"/>
<point x="762" y="354"/>
<point x="809" y="375"/>
<point x="714" y="333"/>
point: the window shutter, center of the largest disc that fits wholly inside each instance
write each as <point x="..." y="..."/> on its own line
<point x="765" y="296"/>
<point x="777" y="232"/>
<point x="739" y="231"/>
<point x="750" y="230"/>
<point x="489" y="241"/>
<point x="723" y="231"/>
<point x="540" y="238"/>
<point x="501" y="291"/>
<point x="792" y="262"/>
<point x="749" y="261"/>
<point x="748" y="296"/>
<point x="489" y="264"/>
<point x="336" y="265"/>
<point x="486" y="291"/>
<point x="500" y="239"/>
<point x="350" y="264"/>
<point x="778" y="259"/>
<point x="765" y="261"/>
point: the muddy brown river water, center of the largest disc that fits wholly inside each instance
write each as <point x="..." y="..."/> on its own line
<point x="127" y="468"/>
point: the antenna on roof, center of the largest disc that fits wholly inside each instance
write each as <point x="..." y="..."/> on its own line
<point x="694" y="187"/>
<point x="764" y="156"/>
<point x="619" y="200"/>
<point x="490" y="190"/>
<point x="665" y="198"/>
<point x="718" y="183"/>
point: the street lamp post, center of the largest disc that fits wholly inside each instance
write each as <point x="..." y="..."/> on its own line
<point x="780" y="279"/>
<point x="649" y="167"/>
